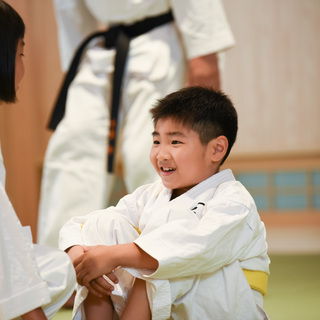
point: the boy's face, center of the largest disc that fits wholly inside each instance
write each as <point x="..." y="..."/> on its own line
<point x="179" y="157"/>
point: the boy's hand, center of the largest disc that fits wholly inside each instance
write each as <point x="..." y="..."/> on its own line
<point x="99" y="286"/>
<point x="92" y="264"/>
<point x="100" y="260"/>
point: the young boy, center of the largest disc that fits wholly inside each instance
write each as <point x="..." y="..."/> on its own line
<point x="187" y="247"/>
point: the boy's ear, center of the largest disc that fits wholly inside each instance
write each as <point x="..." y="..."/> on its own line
<point x="219" y="148"/>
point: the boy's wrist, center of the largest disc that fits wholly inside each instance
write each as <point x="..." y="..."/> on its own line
<point x="74" y="251"/>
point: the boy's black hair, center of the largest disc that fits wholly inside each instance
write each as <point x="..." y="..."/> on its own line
<point x="12" y="29"/>
<point x="208" y="112"/>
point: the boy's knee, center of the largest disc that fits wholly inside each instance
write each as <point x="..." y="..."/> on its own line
<point x="108" y="229"/>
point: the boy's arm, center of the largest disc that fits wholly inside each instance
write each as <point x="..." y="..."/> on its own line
<point x="228" y="231"/>
<point x="74" y="252"/>
<point x="100" y="260"/>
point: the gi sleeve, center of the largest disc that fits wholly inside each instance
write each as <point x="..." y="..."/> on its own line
<point x="22" y="288"/>
<point x="203" y="26"/>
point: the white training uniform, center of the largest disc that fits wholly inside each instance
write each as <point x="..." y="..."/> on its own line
<point x="202" y="241"/>
<point x="75" y="180"/>
<point x="31" y="276"/>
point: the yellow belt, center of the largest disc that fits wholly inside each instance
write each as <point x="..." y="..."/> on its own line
<point x="258" y="280"/>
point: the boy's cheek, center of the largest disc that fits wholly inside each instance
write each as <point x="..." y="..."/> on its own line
<point x="153" y="159"/>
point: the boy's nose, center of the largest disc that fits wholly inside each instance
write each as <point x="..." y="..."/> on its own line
<point x="163" y="154"/>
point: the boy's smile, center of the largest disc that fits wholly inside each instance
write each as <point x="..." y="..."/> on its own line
<point x="179" y="157"/>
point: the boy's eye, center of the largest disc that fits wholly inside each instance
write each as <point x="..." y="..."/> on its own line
<point x="156" y="142"/>
<point x="175" y="142"/>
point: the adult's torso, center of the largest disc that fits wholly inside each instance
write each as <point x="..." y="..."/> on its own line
<point x="110" y="11"/>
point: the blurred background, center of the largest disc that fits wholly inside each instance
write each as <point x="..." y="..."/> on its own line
<point x="273" y="77"/>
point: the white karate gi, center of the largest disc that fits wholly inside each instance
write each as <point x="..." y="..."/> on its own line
<point x="201" y="239"/>
<point x="31" y="276"/>
<point x="75" y="180"/>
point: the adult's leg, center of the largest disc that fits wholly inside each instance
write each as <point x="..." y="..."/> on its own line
<point x="75" y="179"/>
<point x="156" y="67"/>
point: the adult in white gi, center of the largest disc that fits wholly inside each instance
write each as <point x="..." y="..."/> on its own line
<point x="180" y="233"/>
<point x="33" y="278"/>
<point x="75" y="180"/>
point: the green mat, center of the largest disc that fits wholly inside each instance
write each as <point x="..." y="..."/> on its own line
<point x="293" y="289"/>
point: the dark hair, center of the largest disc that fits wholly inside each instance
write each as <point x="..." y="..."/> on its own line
<point x="208" y="112"/>
<point x="12" y="29"/>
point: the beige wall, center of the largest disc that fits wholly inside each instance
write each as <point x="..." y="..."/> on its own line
<point x="272" y="75"/>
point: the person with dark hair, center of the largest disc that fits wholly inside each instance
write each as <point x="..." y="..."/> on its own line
<point x="190" y="246"/>
<point x="11" y="40"/>
<point x="35" y="281"/>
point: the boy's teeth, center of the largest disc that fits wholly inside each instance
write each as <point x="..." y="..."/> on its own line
<point x="167" y="169"/>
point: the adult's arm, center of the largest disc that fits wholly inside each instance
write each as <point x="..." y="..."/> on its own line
<point x="205" y="32"/>
<point x="204" y="71"/>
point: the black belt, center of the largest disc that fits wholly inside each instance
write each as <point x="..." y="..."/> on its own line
<point x="117" y="37"/>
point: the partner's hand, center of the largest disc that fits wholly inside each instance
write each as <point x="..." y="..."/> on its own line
<point x="102" y="286"/>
